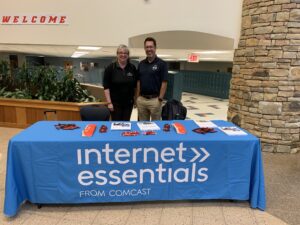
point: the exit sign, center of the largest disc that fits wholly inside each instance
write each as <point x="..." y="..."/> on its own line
<point x="194" y="58"/>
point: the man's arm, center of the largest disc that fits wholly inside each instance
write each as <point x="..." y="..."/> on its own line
<point x="164" y="77"/>
<point x="137" y="90"/>
<point x="138" y="84"/>
<point x="163" y="89"/>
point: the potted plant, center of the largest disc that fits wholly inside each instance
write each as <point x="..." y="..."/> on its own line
<point x="29" y="93"/>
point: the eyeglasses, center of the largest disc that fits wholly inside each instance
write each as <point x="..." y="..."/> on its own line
<point x="122" y="53"/>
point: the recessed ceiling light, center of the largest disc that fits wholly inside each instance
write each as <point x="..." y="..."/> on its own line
<point x="212" y="52"/>
<point x="78" y="54"/>
<point x="207" y="58"/>
<point x="170" y="59"/>
<point x="161" y="55"/>
<point x="91" y="48"/>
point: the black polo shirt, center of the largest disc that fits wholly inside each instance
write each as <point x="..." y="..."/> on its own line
<point x="120" y="82"/>
<point x="151" y="75"/>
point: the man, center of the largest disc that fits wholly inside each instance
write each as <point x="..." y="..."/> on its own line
<point x="151" y="83"/>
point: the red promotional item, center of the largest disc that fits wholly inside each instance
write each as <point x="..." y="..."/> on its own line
<point x="204" y="130"/>
<point x="68" y="126"/>
<point x="130" y="133"/>
<point x="166" y="127"/>
<point x="149" y="132"/>
<point x="180" y="129"/>
<point x="103" y="129"/>
<point x="89" y="130"/>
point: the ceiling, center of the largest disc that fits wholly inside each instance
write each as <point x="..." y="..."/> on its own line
<point x="172" y="45"/>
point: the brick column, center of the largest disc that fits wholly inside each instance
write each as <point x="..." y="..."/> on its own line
<point x="265" y="86"/>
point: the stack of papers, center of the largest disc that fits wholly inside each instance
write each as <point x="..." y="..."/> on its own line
<point x="232" y="131"/>
<point x="120" y="126"/>
<point x="203" y="123"/>
<point x="148" y="126"/>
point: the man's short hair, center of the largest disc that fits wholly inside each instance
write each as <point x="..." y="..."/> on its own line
<point x="150" y="39"/>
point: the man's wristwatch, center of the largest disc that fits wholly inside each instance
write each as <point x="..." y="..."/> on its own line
<point x="160" y="99"/>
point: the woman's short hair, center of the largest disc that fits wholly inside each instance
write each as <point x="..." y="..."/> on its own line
<point x="123" y="47"/>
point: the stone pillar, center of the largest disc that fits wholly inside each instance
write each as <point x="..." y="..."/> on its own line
<point x="265" y="86"/>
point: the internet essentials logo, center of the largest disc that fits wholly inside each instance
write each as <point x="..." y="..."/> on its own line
<point x="188" y="157"/>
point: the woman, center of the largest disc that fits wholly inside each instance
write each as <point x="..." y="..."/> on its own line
<point x="119" y="83"/>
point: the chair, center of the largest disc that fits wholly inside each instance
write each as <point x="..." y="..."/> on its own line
<point x="94" y="113"/>
<point x="50" y="115"/>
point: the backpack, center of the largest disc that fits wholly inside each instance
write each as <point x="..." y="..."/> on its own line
<point x="173" y="110"/>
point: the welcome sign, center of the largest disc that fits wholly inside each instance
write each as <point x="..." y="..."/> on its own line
<point x="34" y="19"/>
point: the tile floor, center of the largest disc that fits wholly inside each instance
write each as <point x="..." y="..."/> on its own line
<point x="282" y="177"/>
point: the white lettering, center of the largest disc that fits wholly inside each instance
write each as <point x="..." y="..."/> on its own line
<point x="79" y="158"/>
<point x="84" y="175"/>
<point x="154" y="150"/>
<point x="193" y="172"/>
<point x="205" y="177"/>
<point x="122" y="153"/>
<point x="160" y="171"/>
<point x="128" y="174"/>
<point x="98" y="175"/>
<point x="160" y="165"/>
<point x="135" y="151"/>
<point x="107" y="151"/>
<point x="91" y="193"/>
<point x="87" y="155"/>
<point x="167" y="152"/>
<point x="180" y="149"/>
<point x="142" y="171"/>
<point x="129" y="192"/>
<point x="113" y="176"/>
<point x="185" y="177"/>
<point x="148" y="155"/>
<point x="170" y="175"/>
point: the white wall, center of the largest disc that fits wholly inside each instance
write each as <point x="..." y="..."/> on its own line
<point x="108" y="23"/>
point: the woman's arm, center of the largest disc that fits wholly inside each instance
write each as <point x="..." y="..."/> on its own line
<point x="106" y="85"/>
<point x="108" y="99"/>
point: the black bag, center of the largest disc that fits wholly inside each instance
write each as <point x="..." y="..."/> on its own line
<point x="173" y="110"/>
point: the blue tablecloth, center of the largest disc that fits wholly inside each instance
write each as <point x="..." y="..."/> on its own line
<point x="46" y="165"/>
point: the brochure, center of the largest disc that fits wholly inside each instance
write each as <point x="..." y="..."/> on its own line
<point x="120" y="126"/>
<point x="144" y="126"/>
<point x="232" y="131"/>
<point x="204" y="123"/>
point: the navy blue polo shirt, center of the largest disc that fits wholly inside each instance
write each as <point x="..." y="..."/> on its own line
<point x="120" y="82"/>
<point x="151" y="75"/>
